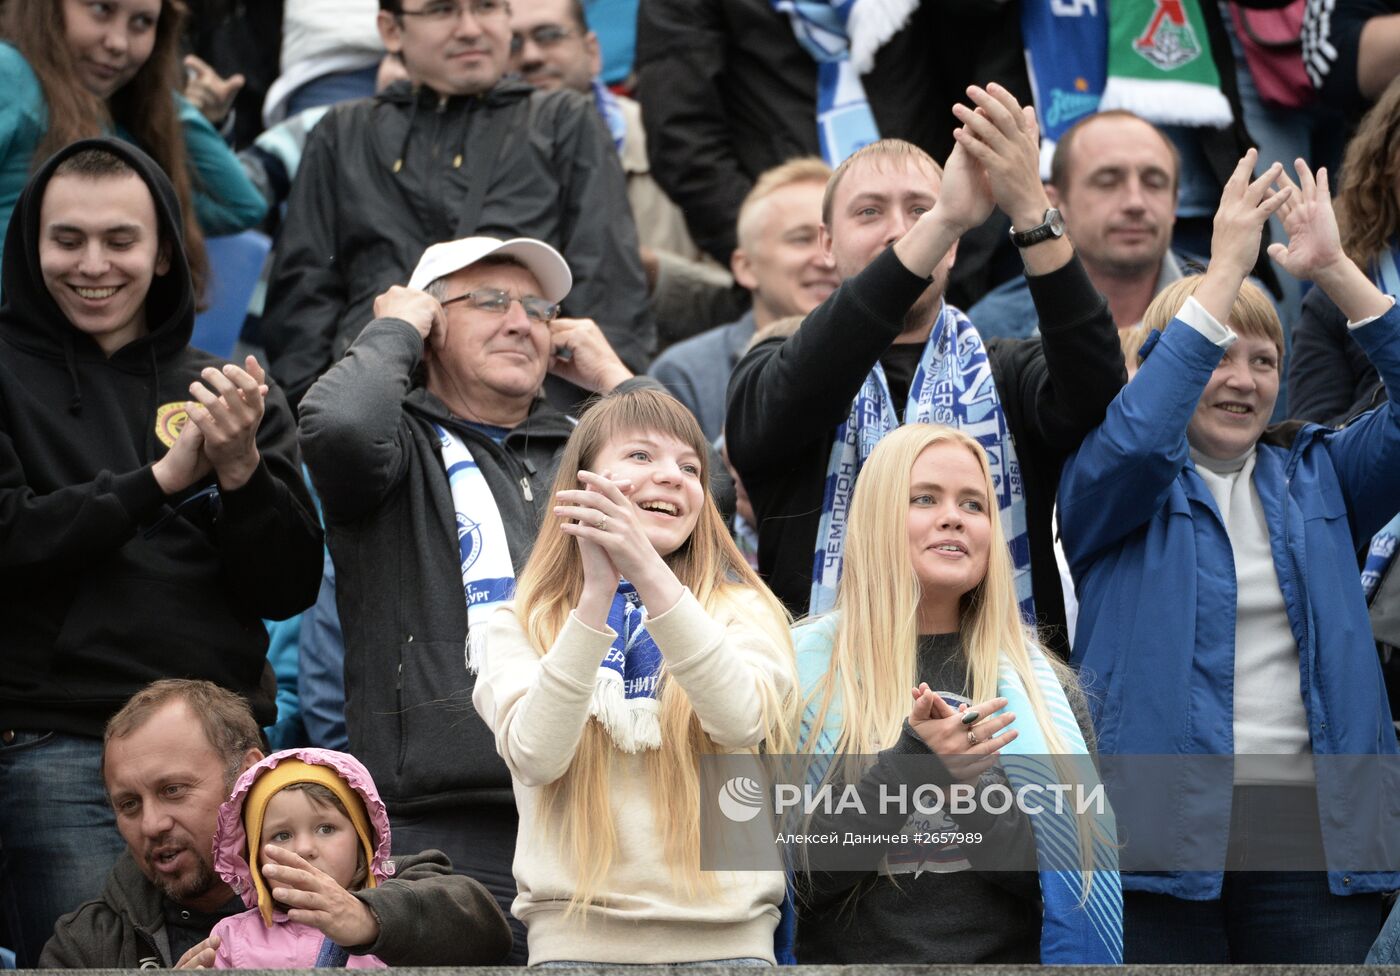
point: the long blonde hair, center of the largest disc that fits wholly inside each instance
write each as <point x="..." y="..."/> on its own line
<point x="874" y="654"/>
<point x="711" y="566"/>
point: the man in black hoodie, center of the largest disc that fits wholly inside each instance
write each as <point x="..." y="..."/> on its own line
<point x="454" y="152"/>
<point x="152" y="511"/>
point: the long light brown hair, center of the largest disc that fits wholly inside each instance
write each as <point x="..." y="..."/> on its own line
<point x="874" y="654"/>
<point x="711" y="566"/>
<point x="144" y="107"/>
<point x="1368" y="211"/>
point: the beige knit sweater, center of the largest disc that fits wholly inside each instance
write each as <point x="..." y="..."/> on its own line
<point x="537" y="707"/>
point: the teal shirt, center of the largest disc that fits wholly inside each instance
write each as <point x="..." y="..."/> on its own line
<point x="225" y="200"/>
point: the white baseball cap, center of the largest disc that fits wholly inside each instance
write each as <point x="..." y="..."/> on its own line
<point x="547" y="265"/>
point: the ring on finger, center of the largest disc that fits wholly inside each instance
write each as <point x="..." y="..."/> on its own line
<point x="972" y="739"/>
<point x="602" y="524"/>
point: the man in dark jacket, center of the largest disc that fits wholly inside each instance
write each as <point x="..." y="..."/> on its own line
<point x="453" y="152"/>
<point x="891" y="222"/>
<point x="453" y="363"/>
<point x="152" y="511"/>
<point x="171" y="756"/>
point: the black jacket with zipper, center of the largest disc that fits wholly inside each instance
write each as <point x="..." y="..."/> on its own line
<point x="108" y="584"/>
<point x="376" y="462"/>
<point x="383" y="178"/>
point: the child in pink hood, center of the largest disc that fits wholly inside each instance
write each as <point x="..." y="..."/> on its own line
<point x="323" y="806"/>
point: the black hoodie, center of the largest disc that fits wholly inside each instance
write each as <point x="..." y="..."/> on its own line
<point x="108" y="584"/>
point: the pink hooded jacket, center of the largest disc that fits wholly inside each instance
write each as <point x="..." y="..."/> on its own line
<point x="245" y="942"/>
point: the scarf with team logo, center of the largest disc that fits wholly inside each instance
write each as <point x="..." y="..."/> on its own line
<point x="1160" y="64"/>
<point x="488" y="576"/>
<point x="1066" y="43"/>
<point x="953" y="385"/>
<point x="842" y="37"/>
<point x="624" y="696"/>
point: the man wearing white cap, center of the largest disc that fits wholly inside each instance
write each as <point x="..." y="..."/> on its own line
<point x="433" y="456"/>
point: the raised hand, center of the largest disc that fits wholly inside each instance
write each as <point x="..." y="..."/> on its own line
<point x="583" y="356"/>
<point x="1004" y="139"/>
<point x="418" y="309"/>
<point x="965" y="196"/>
<point x="1314" y="248"/>
<point x="1314" y="243"/>
<point x="1245" y="205"/>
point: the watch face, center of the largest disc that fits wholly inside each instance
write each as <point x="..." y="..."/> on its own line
<point x="1056" y="222"/>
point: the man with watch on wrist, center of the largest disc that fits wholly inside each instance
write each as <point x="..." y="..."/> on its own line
<point x="1114" y="181"/>
<point x="885" y="349"/>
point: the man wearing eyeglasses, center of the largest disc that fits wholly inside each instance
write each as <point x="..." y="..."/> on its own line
<point x="433" y="456"/>
<point x="552" y="48"/>
<point x="455" y="151"/>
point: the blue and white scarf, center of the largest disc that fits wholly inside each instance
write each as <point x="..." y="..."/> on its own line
<point x="611" y="111"/>
<point x="844" y="120"/>
<point x="1066" y="47"/>
<point x="1070" y="934"/>
<point x="1385" y="272"/>
<point x="625" y="694"/>
<point x="953" y="385"/>
<point x="488" y="576"/>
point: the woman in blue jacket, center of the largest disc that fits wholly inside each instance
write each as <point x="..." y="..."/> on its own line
<point x="72" y="69"/>
<point x="1221" y="613"/>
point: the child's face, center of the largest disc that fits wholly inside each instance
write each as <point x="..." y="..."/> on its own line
<point x="321" y="834"/>
<point x="666" y="487"/>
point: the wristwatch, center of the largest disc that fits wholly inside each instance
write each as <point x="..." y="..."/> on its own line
<point x="1053" y="225"/>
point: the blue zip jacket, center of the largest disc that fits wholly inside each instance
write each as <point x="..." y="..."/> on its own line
<point x="1155" y="575"/>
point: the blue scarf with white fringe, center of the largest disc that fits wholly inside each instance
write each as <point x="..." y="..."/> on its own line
<point x="625" y="693"/>
<point x="1070" y="934"/>
<point x="953" y="385"/>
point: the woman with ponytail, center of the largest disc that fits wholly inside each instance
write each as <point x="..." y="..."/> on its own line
<point x="639" y="641"/>
<point x="926" y="605"/>
<point x="74" y="69"/>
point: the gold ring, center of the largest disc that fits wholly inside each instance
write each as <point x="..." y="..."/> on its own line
<point x="972" y="739"/>
<point x="602" y="524"/>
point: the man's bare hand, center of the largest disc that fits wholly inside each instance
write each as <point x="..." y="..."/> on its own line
<point x="200" y="955"/>
<point x="228" y="414"/>
<point x="583" y="356"/>
<point x="418" y="309"/>
<point x="1005" y="140"/>
<point x="313" y="898"/>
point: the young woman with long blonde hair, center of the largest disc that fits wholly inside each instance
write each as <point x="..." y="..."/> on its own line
<point x="926" y="604"/>
<point x="639" y="640"/>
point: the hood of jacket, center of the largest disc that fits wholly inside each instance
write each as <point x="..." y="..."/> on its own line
<point x="30" y="316"/>
<point x="231" y="840"/>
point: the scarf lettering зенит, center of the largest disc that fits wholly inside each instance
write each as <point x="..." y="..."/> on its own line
<point x="953" y="385"/>
<point x="1066" y="45"/>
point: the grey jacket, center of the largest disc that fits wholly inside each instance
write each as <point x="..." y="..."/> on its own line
<point x="428" y="916"/>
<point x="368" y="439"/>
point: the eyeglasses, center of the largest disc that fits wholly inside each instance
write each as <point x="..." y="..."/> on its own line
<point x="498" y="302"/>
<point x="443" y="11"/>
<point x="545" y="35"/>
